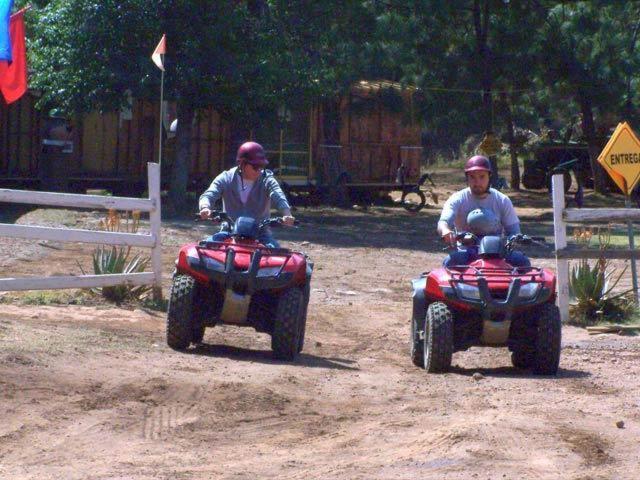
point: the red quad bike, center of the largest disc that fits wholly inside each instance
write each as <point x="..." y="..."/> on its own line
<point x="240" y="282"/>
<point x="490" y="303"/>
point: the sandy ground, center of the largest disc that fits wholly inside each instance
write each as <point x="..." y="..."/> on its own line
<point x="93" y="392"/>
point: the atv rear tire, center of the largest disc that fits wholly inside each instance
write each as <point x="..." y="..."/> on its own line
<point x="285" y="339"/>
<point x="180" y="312"/>
<point x="546" y="357"/>
<point x="417" y="345"/>
<point x="438" y="338"/>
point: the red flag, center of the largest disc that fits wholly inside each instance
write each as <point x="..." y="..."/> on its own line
<point x="13" y="76"/>
<point x="159" y="52"/>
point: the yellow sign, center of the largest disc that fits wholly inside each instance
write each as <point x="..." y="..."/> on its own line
<point x="621" y="158"/>
<point x="490" y="145"/>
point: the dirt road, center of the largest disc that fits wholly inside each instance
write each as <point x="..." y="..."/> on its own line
<point x="93" y="392"/>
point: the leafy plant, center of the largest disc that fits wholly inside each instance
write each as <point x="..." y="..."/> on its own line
<point x="592" y="286"/>
<point x="108" y="259"/>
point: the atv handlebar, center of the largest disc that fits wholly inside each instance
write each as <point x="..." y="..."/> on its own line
<point x="276" y="222"/>
<point x="521" y="239"/>
<point x="468" y="239"/>
<point x="218" y="216"/>
<point x="215" y="216"/>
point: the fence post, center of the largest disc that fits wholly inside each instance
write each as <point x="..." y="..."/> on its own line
<point x="155" y="221"/>
<point x="560" y="234"/>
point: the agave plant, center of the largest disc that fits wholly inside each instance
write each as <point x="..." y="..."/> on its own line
<point x="592" y="286"/>
<point x="111" y="259"/>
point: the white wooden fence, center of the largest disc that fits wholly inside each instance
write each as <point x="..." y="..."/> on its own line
<point x="152" y="240"/>
<point x="562" y="216"/>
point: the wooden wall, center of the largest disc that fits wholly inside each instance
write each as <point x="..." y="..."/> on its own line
<point x="111" y="145"/>
<point x="20" y="126"/>
<point x="107" y="147"/>
<point x="373" y="136"/>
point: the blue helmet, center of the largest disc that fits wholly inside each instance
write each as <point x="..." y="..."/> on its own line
<point x="482" y="221"/>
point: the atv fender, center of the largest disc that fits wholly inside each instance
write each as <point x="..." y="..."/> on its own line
<point x="309" y="270"/>
<point x="419" y="299"/>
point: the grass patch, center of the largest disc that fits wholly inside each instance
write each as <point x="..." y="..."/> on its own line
<point x="156" y="305"/>
<point x="50" y="297"/>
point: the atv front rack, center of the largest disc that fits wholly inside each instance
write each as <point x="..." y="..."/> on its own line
<point x="474" y="272"/>
<point x="249" y="280"/>
<point x="277" y="252"/>
<point x="515" y="277"/>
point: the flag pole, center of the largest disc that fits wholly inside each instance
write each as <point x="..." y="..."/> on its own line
<point x="161" y="118"/>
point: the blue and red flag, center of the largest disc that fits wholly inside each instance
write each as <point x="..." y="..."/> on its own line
<point x="13" y="74"/>
<point x="5" y="41"/>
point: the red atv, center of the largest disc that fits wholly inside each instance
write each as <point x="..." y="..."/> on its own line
<point x="241" y="282"/>
<point x="488" y="302"/>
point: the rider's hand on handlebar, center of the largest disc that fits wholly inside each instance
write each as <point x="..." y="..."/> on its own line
<point x="449" y="238"/>
<point x="289" y="220"/>
<point x="205" y="213"/>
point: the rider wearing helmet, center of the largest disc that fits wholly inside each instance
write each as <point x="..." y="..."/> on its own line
<point x="247" y="190"/>
<point x="481" y="210"/>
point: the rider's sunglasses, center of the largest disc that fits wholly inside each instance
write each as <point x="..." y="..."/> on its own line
<point x="257" y="168"/>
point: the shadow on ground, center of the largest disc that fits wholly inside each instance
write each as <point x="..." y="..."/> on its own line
<point x="512" y="372"/>
<point x="266" y="357"/>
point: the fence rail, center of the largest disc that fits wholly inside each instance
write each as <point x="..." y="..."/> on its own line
<point x="605" y="215"/>
<point x="152" y="240"/>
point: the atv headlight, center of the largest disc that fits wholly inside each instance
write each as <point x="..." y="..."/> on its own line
<point x="467" y="291"/>
<point x="529" y="290"/>
<point x="212" y="263"/>
<point x="268" y="271"/>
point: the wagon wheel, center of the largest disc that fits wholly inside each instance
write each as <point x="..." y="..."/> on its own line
<point x="413" y="200"/>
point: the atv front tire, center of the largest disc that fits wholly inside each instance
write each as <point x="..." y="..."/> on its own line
<point x="546" y="357"/>
<point x="180" y="312"/>
<point x="285" y="339"/>
<point x="198" y="333"/>
<point x="521" y="359"/>
<point x="438" y="338"/>
<point x="303" y="317"/>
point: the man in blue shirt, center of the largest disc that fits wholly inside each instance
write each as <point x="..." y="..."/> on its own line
<point x="478" y="195"/>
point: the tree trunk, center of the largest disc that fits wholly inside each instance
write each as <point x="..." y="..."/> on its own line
<point x="182" y="161"/>
<point x="481" y="15"/>
<point x="513" y="151"/>
<point x="589" y="132"/>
